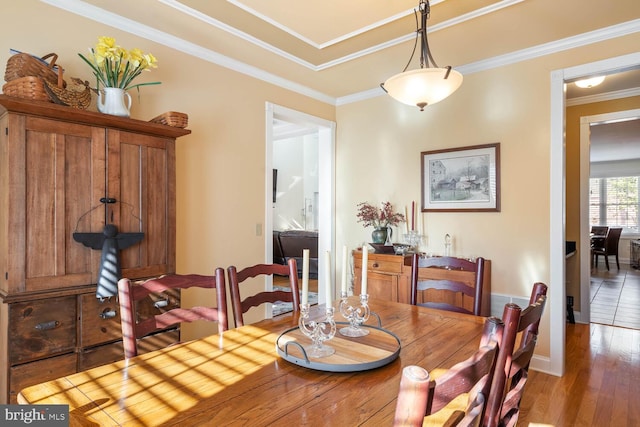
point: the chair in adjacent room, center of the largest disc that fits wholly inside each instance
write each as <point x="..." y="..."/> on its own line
<point x="463" y="295"/>
<point x="130" y="294"/>
<point x="516" y="350"/>
<point x="442" y="399"/>
<point x="609" y="248"/>
<point x="241" y="306"/>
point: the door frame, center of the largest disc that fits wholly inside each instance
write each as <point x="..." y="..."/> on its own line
<point x="557" y="288"/>
<point x="326" y="183"/>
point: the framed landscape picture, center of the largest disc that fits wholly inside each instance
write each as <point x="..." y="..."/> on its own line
<point x="461" y="179"/>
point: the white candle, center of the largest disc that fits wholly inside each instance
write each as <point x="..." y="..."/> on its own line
<point x="365" y="261"/>
<point x="328" y="290"/>
<point x="305" y="276"/>
<point x="406" y="220"/>
<point x="344" y="269"/>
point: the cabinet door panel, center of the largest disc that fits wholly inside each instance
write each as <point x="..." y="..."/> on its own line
<point x="142" y="178"/>
<point x="60" y="187"/>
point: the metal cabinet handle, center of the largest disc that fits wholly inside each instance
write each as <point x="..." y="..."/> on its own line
<point x="161" y="304"/>
<point x="375" y="265"/>
<point x="46" y="326"/>
<point x="108" y="314"/>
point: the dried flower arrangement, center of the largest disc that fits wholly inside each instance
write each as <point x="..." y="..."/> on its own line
<point x="370" y="215"/>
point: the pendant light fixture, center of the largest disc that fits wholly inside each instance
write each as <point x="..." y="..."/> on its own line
<point x="429" y="83"/>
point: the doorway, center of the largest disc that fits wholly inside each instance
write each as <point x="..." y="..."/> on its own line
<point x="317" y="200"/>
<point x="585" y="167"/>
<point x="556" y="364"/>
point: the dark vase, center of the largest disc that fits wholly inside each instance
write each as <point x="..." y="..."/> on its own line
<point x="379" y="235"/>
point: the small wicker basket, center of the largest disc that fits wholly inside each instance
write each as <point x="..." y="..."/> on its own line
<point x="22" y="65"/>
<point x="172" y="118"/>
<point x="76" y="95"/>
<point x="30" y="87"/>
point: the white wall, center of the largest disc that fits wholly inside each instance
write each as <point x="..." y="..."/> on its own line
<point x="296" y="160"/>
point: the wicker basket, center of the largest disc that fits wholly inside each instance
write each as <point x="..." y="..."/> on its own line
<point x="22" y="65"/>
<point x="172" y="118"/>
<point x="76" y="95"/>
<point x="26" y="87"/>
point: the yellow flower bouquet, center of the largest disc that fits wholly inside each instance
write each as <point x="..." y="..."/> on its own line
<point x="116" y="67"/>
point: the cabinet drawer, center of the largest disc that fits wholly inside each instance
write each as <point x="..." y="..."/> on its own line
<point x="385" y="266"/>
<point x="100" y="355"/>
<point x="42" y="328"/>
<point x="29" y="374"/>
<point x="382" y="263"/>
<point x="100" y="320"/>
<point x="108" y="353"/>
<point x="158" y="303"/>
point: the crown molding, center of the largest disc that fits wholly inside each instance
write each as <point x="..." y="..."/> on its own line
<point x="97" y="14"/>
<point x="130" y="26"/>
<point x="338" y="61"/>
<point x="609" y="96"/>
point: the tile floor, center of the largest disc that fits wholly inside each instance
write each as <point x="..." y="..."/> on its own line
<point x="615" y="296"/>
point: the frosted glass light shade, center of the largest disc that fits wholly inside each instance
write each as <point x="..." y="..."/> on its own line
<point x="424" y="86"/>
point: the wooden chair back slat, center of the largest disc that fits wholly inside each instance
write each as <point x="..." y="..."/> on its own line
<point x="514" y="359"/>
<point x="472" y="288"/>
<point x="241" y="306"/>
<point x="130" y="293"/>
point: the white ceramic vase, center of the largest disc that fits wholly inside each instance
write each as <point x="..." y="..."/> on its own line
<point x="114" y="101"/>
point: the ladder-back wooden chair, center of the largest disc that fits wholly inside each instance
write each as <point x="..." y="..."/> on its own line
<point x="135" y="328"/>
<point x="517" y="347"/>
<point x="241" y="306"/>
<point x="421" y="396"/>
<point x="462" y="293"/>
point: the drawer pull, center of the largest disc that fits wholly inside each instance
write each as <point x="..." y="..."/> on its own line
<point x="108" y="314"/>
<point x="161" y="304"/>
<point x="375" y="265"/>
<point x="46" y="326"/>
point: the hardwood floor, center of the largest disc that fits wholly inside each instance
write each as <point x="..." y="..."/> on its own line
<point x="601" y="384"/>
<point x="284" y="281"/>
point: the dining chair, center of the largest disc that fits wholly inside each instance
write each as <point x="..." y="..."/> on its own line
<point x="135" y="326"/>
<point x="521" y="327"/>
<point x="599" y="230"/>
<point x="241" y="306"/>
<point x="463" y="295"/>
<point x="421" y="396"/>
<point x="609" y="248"/>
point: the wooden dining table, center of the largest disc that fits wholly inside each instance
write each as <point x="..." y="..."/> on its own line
<point x="238" y="377"/>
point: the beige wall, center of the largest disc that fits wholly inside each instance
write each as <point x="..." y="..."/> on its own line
<point x="573" y="115"/>
<point x="379" y="146"/>
<point x="220" y="166"/>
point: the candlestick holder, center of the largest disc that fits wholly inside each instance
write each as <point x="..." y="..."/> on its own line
<point x="319" y="332"/>
<point x="413" y="238"/>
<point x="355" y="315"/>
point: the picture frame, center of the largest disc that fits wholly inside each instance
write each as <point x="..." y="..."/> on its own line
<point x="463" y="179"/>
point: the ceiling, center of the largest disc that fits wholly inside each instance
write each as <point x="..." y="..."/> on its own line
<point x="340" y="50"/>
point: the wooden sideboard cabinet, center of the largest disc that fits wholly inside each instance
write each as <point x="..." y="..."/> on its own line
<point x="389" y="278"/>
<point x="64" y="170"/>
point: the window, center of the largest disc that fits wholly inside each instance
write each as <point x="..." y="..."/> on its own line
<point x="614" y="202"/>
